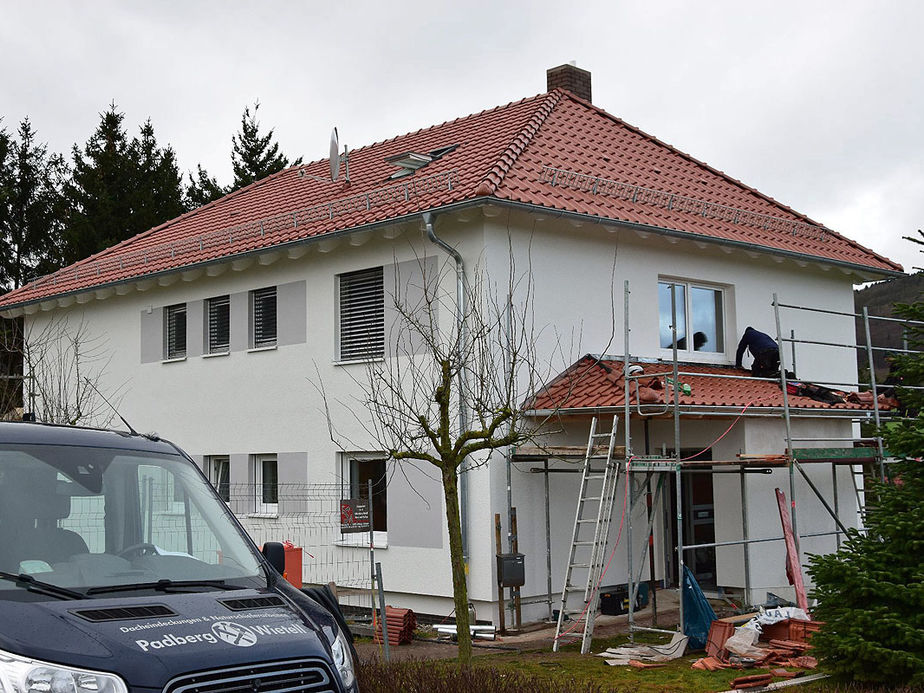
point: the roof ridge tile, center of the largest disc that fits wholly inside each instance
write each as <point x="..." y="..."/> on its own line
<point x="494" y="177"/>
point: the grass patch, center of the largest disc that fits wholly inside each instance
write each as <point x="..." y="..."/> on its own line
<point x="567" y="671"/>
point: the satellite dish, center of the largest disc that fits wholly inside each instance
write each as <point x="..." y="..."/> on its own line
<point x="334" y="155"/>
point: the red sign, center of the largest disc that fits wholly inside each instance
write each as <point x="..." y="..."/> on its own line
<point x="354" y="515"/>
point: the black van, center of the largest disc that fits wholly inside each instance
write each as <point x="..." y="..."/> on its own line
<point x="122" y="570"/>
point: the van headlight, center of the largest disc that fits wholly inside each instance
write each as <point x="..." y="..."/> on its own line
<point x="343" y="660"/>
<point x="25" y="675"/>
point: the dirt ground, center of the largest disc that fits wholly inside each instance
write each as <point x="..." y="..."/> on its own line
<point x="537" y="636"/>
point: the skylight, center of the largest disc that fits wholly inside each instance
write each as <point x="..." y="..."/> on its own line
<point x="408" y="162"/>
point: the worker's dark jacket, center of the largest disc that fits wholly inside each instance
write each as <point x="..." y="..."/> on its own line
<point x="757" y="343"/>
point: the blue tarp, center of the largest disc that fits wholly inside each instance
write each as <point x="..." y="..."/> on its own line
<point x="697" y="612"/>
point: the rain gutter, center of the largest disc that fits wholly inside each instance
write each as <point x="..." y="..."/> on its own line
<point x="467" y="204"/>
<point x="462" y="344"/>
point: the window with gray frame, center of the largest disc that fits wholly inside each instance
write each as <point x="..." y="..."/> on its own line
<point x="266" y="484"/>
<point x="219" y="324"/>
<point x="362" y="315"/>
<point x="175" y="319"/>
<point x="263" y="317"/>
<point x="218" y="470"/>
<point x="700" y="316"/>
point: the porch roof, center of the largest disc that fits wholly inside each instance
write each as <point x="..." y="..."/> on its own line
<point x="597" y="383"/>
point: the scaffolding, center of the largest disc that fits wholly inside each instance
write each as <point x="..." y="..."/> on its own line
<point x="856" y="452"/>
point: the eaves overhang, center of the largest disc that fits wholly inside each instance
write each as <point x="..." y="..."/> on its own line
<point x="865" y="272"/>
<point x="699" y="411"/>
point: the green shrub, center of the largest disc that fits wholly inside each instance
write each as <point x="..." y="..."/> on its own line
<point x="871" y="592"/>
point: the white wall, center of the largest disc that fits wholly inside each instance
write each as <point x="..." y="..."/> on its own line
<point x="267" y="401"/>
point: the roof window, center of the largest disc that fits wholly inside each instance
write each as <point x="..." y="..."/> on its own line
<point x="408" y="162"/>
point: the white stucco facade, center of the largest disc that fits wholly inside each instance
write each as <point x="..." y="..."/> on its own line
<point x="259" y="401"/>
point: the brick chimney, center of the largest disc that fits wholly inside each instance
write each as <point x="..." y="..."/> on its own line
<point x="571" y="78"/>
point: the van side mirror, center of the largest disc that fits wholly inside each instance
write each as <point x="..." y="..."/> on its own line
<point x="275" y="553"/>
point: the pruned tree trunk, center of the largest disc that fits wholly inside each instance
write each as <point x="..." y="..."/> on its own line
<point x="457" y="560"/>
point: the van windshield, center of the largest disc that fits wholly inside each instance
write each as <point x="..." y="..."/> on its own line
<point x="83" y="517"/>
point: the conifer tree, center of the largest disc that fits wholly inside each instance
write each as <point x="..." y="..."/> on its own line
<point x="119" y="188"/>
<point x="158" y="183"/>
<point x="32" y="207"/>
<point x="255" y="156"/>
<point x="101" y="189"/>
<point x="871" y="592"/>
<point x="202" y="189"/>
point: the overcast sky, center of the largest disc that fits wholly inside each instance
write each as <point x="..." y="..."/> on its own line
<point x="818" y="104"/>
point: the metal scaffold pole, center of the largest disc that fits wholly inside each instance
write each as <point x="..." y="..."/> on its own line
<point x="788" y="420"/>
<point x="872" y="382"/>
<point x="628" y="441"/>
<point x="677" y="459"/>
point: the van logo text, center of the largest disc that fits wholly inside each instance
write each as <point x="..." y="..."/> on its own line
<point x="234" y="633"/>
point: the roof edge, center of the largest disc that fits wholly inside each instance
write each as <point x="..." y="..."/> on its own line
<point x="689" y="235"/>
<point x="492" y="180"/>
<point x="730" y="179"/>
<point x="463" y="204"/>
<point x="113" y="249"/>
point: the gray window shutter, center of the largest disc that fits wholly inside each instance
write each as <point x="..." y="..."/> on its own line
<point x="219" y="324"/>
<point x="264" y="317"/>
<point x="362" y="315"/>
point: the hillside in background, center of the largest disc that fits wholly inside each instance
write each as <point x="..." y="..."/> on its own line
<point x="878" y="299"/>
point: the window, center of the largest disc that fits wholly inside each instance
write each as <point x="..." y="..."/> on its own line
<point x="160" y="490"/>
<point x="266" y="485"/>
<point x="700" y="313"/>
<point x="219" y="324"/>
<point x="362" y="315"/>
<point x="218" y="470"/>
<point x="263" y="317"/>
<point x="175" y="317"/>
<point x="363" y="470"/>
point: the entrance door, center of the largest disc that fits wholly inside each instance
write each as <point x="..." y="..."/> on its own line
<point x="698" y="521"/>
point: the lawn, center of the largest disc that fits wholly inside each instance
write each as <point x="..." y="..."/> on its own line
<point x="567" y="671"/>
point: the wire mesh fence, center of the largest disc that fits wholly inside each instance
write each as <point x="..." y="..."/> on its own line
<point x="308" y="515"/>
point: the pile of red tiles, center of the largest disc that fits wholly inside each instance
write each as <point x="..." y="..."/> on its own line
<point x="401" y="626"/>
<point x="785" y="644"/>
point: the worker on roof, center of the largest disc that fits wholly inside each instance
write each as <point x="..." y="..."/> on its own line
<point x="765" y="351"/>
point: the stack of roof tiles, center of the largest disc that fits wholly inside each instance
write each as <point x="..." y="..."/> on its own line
<point x="401" y="626"/>
<point x="552" y="151"/>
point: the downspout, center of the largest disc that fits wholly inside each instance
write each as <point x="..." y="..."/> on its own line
<point x="462" y="344"/>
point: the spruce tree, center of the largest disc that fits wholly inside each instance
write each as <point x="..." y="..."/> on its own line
<point x="101" y="189"/>
<point x="6" y="176"/>
<point x="871" y="592"/>
<point x="202" y="189"/>
<point x="32" y="207"/>
<point x="158" y="183"/>
<point x="119" y="188"/>
<point x="255" y="156"/>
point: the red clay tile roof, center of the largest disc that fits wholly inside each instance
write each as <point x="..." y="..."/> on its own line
<point x="553" y="150"/>
<point x="591" y="383"/>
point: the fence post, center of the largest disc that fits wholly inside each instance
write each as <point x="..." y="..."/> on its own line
<point x="371" y="549"/>
<point x="383" y="619"/>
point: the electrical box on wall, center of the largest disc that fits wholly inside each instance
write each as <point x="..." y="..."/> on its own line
<point x="511" y="571"/>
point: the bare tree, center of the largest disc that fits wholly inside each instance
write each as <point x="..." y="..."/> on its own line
<point x="61" y="364"/>
<point x="460" y="363"/>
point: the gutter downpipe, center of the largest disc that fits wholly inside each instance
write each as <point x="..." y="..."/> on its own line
<point x="428" y="218"/>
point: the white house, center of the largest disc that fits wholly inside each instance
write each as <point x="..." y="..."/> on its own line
<point x="219" y="324"/>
